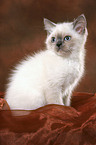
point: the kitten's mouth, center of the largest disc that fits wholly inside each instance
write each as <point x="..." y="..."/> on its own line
<point x="58" y="49"/>
<point x="62" y="50"/>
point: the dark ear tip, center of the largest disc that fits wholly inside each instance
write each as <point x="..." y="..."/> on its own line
<point x="45" y="20"/>
<point x="82" y="16"/>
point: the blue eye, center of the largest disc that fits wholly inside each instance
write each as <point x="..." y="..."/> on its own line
<point x="53" y="39"/>
<point x="67" y="38"/>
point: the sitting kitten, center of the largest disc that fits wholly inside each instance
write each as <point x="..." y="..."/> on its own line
<point x="50" y="76"/>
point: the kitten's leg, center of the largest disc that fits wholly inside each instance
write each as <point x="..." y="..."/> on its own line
<point x="67" y="95"/>
<point x="67" y="98"/>
<point x="54" y="98"/>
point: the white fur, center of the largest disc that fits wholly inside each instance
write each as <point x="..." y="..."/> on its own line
<point x="47" y="77"/>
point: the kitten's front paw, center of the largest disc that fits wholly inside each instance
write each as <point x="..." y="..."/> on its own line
<point x="67" y="100"/>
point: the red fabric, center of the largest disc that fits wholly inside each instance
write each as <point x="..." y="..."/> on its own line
<point x="51" y="124"/>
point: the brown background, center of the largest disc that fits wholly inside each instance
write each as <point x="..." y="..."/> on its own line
<point x="22" y="32"/>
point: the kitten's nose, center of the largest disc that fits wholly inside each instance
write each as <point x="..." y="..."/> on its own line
<point x="59" y="43"/>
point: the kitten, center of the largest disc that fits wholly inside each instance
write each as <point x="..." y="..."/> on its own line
<point x="50" y="76"/>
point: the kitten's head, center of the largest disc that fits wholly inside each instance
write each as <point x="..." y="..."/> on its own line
<point x="65" y="38"/>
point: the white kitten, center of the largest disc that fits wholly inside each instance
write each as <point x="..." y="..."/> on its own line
<point x="50" y="76"/>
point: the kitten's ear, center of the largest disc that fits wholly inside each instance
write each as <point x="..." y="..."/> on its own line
<point x="80" y="24"/>
<point x="48" y="25"/>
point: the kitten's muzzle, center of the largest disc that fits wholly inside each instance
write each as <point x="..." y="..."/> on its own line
<point x="59" y="43"/>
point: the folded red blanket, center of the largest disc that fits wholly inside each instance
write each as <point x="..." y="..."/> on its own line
<point x="51" y="124"/>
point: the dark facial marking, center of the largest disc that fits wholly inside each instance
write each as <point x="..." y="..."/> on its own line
<point x="59" y="42"/>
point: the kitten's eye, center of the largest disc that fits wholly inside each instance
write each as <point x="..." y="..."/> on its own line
<point x="67" y="38"/>
<point x="53" y="39"/>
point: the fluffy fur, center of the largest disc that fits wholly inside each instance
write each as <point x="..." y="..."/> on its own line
<point x="50" y="76"/>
